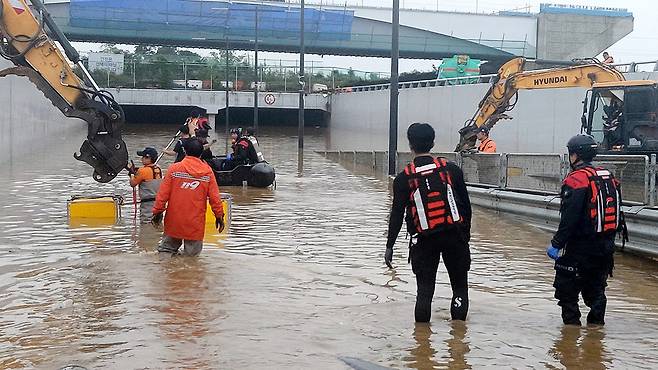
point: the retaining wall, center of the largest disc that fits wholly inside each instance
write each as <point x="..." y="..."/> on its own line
<point x="29" y="121"/>
<point x="543" y="120"/>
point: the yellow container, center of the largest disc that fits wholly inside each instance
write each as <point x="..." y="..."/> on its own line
<point x="103" y="209"/>
<point x="227" y="201"/>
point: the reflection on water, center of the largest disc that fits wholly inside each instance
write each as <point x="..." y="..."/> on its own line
<point x="581" y="348"/>
<point x="298" y="282"/>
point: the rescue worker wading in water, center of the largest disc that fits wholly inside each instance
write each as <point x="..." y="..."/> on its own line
<point x="583" y="246"/>
<point x="187" y="187"/>
<point x="148" y="178"/>
<point x="438" y="216"/>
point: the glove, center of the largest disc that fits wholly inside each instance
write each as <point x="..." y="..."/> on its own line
<point x="553" y="252"/>
<point x="131" y="170"/>
<point x="219" y="223"/>
<point x="388" y="257"/>
<point x="156" y="220"/>
<point x="229" y="156"/>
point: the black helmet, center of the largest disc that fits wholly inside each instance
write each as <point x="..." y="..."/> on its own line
<point x="237" y="131"/>
<point x="584" y="146"/>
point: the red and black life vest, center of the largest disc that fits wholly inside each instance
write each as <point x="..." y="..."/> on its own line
<point x="432" y="204"/>
<point x="604" y="199"/>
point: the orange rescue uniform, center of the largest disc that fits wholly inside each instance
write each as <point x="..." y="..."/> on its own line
<point x="184" y="193"/>
<point x="147" y="173"/>
<point x="487" y="146"/>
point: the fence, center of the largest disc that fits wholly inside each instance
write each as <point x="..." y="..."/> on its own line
<point x="536" y="173"/>
<point x="212" y="74"/>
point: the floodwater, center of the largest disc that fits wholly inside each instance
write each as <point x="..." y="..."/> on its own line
<point x="298" y="283"/>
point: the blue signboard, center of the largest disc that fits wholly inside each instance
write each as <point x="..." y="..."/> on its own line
<point x="584" y="10"/>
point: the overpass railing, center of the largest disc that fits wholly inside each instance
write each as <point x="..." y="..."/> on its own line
<point x="537" y="173"/>
<point x="423" y="83"/>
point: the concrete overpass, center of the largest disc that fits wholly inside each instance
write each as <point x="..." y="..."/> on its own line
<point x="213" y="23"/>
<point x="555" y="33"/>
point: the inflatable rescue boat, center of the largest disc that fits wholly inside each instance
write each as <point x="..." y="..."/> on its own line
<point x="259" y="175"/>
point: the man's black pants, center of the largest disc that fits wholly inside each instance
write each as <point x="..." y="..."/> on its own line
<point x="425" y="256"/>
<point x="581" y="275"/>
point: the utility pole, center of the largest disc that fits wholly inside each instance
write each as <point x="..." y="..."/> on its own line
<point x="256" y="83"/>
<point x="393" y="118"/>
<point x="300" y="130"/>
<point x="226" y="117"/>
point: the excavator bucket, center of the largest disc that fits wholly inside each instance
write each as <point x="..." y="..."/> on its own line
<point x="467" y="138"/>
<point x="106" y="155"/>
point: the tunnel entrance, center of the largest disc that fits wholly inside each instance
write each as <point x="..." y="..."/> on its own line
<point x="239" y="116"/>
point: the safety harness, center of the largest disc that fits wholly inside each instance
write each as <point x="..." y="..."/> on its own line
<point x="604" y="203"/>
<point x="432" y="206"/>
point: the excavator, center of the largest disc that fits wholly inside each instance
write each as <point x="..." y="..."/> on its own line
<point x="619" y="114"/>
<point x="27" y="39"/>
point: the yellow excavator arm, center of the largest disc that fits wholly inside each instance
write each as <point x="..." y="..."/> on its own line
<point x="503" y="93"/>
<point x="27" y="39"/>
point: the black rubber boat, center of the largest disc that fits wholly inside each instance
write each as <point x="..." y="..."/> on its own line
<point x="259" y="175"/>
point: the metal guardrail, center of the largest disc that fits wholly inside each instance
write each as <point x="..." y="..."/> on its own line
<point x="538" y="173"/>
<point x="633" y="66"/>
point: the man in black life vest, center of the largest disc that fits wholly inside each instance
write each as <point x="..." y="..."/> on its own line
<point x="583" y="246"/>
<point x="433" y="194"/>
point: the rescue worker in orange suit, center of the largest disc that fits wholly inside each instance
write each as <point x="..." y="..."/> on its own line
<point x="583" y="246"/>
<point x="486" y="144"/>
<point x="186" y="188"/>
<point x="438" y="217"/>
<point x="240" y="155"/>
<point x="148" y="178"/>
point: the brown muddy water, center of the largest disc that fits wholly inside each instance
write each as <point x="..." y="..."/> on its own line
<point x="298" y="283"/>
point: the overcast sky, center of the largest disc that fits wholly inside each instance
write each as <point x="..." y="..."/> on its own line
<point x="640" y="45"/>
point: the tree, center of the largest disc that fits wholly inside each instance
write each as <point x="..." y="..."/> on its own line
<point x="111" y="49"/>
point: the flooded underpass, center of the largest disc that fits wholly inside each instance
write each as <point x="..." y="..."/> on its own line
<point x="298" y="283"/>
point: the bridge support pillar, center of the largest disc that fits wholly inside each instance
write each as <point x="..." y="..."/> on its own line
<point x="212" y="118"/>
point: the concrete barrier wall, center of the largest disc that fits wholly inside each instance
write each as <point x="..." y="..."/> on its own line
<point x="28" y="121"/>
<point x="213" y="101"/>
<point x="543" y="119"/>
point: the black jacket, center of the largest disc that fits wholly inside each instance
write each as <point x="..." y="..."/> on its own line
<point x="402" y="194"/>
<point x="576" y="231"/>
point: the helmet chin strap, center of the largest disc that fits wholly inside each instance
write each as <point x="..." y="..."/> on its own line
<point x="577" y="162"/>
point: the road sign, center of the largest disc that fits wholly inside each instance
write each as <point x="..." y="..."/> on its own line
<point x="270" y="99"/>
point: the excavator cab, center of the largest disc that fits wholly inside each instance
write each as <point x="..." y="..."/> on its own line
<point x="621" y="116"/>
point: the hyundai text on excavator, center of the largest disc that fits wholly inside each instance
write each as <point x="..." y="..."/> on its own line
<point x="27" y="39"/>
<point x="619" y="114"/>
